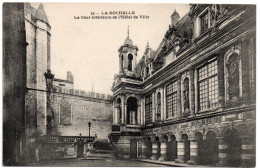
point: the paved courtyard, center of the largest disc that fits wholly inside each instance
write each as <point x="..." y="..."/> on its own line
<point x="95" y="163"/>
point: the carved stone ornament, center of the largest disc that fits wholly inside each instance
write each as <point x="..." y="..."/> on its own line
<point x="186" y="95"/>
<point x="233" y="76"/>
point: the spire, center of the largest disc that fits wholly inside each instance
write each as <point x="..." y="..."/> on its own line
<point x="128" y="40"/>
<point x="147" y="44"/>
<point x="41" y="15"/>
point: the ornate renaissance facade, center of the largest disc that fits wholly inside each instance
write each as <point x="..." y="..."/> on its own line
<point x="192" y="100"/>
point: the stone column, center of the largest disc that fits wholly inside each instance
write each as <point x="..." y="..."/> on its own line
<point x="115" y="115"/>
<point x="222" y="151"/>
<point x="139" y="114"/>
<point x="142" y="112"/>
<point x="164" y="103"/>
<point x="130" y="117"/>
<point x="114" y="112"/>
<point x="125" y="114"/>
<point x="221" y="81"/>
<point x="196" y="101"/>
<point x="118" y="116"/>
<point x="179" y="112"/>
<point x="163" y="151"/>
<point x="181" y="158"/>
<point x="153" y="107"/>
<point x="194" y="147"/>
<point x="245" y="71"/>
<point x="192" y="93"/>
<point x="252" y="68"/>
<point x="144" y="150"/>
<point x="248" y="152"/>
<point x="123" y="109"/>
<point x="154" y="151"/>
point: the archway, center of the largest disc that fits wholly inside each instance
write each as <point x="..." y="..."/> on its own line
<point x="132" y="111"/>
<point x="130" y="62"/>
<point x="164" y="148"/>
<point x="149" y="147"/>
<point x="144" y="148"/>
<point x="198" y="137"/>
<point x="133" y="149"/>
<point x="184" y="138"/>
<point x="211" y="148"/>
<point x="158" y="143"/>
<point x="172" y="148"/>
<point x="234" y="147"/>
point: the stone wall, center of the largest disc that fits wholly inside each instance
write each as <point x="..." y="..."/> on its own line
<point x="14" y="76"/>
<point x="82" y="110"/>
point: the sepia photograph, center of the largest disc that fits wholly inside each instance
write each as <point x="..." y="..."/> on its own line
<point x="128" y="84"/>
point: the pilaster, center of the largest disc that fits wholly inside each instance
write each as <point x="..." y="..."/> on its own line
<point x="222" y="151"/>
<point x="179" y="112"/>
<point x="192" y="92"/>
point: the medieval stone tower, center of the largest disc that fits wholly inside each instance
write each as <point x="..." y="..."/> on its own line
<point x="38" y="36"/>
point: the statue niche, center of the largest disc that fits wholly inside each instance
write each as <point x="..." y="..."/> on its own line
<point x="158" y="114"/>
<point x="232" y="66"/>
<point x="186" y="103"/>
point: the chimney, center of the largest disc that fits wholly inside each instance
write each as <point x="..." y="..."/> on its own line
<point x="70" y="77"/>
<point x="174" y="18"/>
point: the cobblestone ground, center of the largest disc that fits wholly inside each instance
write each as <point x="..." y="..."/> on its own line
<point x="94" y="163"/>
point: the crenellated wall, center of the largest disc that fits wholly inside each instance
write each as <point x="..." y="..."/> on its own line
<point x="80" y="111"/>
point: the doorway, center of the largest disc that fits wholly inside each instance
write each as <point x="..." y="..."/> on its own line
<point x="80" y="149"/>
<point x="133" y="149"/>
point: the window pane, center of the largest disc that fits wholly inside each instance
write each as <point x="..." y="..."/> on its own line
<point x="208" y="86"/>
<point x="148" y="109"/>
<point x="171" y="100"/>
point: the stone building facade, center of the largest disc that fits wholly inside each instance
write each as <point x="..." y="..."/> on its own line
<point x="47" y="126"/>
<point x="192" y="100"/>
<point x="74" y="108"/>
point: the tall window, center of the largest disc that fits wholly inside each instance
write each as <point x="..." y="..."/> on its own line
<point x="130" y="60"/>
<point x="208" y="86"/>
<point x="148" y="109"/>
<point x="171" y="100"/>
<point x="204" y="22"/>
<point x="122" y="62"/>
<point x="65" y="113"/>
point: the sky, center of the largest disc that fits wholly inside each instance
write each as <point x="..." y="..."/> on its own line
<point x="89" y="47"/>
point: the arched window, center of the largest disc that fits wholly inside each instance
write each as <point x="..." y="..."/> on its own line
<point x="65" y="113"/>
<point x="130" y="62"/>
<point x="122" y="62"/>
<point x="132" y="111"/>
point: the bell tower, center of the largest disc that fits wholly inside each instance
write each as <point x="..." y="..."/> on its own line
<point x="127" y="57"/>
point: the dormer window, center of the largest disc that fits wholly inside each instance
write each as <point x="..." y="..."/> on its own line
<point x="204" y="22"/>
